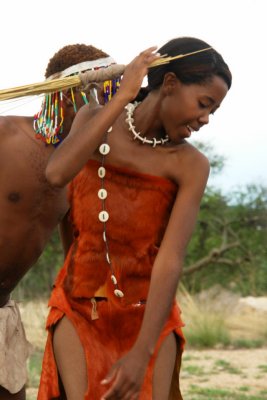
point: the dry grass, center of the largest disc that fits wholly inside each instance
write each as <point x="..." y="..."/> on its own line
<point x="205" y="326"/>
<point x="218" y="317"/>
<point x="248" y="324"/>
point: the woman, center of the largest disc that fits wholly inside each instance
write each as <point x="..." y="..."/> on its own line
<point x="114" y="325"/>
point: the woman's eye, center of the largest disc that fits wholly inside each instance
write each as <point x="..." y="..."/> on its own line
<point x="202" y="105"/>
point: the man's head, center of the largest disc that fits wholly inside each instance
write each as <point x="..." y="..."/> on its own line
<point x="70" y="55"/>
<point x="58" y="110"/>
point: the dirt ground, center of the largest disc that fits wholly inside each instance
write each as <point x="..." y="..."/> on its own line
<point x="234" y="371"/>
<point x="225" y="369"/>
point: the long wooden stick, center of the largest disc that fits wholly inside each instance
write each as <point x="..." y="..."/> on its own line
<point x="54" y="85"/>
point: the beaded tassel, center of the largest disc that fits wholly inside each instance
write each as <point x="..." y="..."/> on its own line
<point x="73" y="100"/>
<point x="46" y="122"/>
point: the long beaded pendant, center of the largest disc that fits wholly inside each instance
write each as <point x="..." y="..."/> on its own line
<point x="103" y="216"/>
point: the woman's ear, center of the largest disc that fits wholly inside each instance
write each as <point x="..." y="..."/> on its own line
<point x="170" y="83"/>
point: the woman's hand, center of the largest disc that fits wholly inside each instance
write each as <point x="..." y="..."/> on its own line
<point x="135" y="72"/>
<point x="126" y="376"/>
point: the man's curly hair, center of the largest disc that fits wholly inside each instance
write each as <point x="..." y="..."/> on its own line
<point x="70" y="55"/>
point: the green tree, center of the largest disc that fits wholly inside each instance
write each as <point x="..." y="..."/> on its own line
<point x="38" y="281"/>
<point x="229" y="243"/>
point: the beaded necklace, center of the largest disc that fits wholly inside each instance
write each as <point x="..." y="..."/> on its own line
<point x="137" y="135"/>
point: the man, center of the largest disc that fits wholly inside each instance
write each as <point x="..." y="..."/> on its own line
<point x="30" y="207"/>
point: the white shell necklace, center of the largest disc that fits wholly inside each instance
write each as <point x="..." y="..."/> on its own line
<point x="103" y="216"/>
<point x="137" y="135"/>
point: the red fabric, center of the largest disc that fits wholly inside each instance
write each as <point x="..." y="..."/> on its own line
<point x="139" y="206"/>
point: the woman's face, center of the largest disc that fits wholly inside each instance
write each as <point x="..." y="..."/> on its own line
<point x="186" y="108"/>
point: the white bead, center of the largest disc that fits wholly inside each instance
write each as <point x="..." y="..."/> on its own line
<point x="108" y="259"/>
<point x="118" y="293"/>
<point x="109" y="129"/>
<point x="101" y="172"/>
<point x="114" y="280"/>
<point x="102" y="194"/>
<point x="104" y="149"/>
<point x="103" y="216"/>
<point x="104" y="236"/>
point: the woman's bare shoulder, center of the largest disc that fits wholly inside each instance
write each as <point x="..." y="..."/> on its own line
<point x="193" y="153"/>
<point x="189" y="163"/>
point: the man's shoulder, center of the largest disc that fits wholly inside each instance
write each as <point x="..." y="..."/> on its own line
<point x="8" y="123"/>
<point x="6" y="129"/>
<point x="11" y="125"/>
<point x="4" y="122"/>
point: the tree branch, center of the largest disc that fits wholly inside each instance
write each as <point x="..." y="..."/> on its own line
<point x="213" y="256"/>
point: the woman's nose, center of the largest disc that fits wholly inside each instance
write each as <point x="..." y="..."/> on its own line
<point x="204" y="119"/>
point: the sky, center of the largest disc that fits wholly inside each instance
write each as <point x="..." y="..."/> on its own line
<point x="32" y="31"/>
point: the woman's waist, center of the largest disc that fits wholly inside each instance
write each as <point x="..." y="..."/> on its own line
<point x="92" y="307"/>
<point x="123" y="255"/>
<point x="95" y="270"/>
<point x="86" y="272"/>
<point x="126" y="290"/>
<point x="89" y="238"/>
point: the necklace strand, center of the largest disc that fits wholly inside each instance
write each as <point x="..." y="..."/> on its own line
<point x="137" y="135"/>
<point x="103" y="216"/>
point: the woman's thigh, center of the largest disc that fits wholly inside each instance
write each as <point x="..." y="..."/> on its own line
<point x="164" y="368"/>
<point x="70" y="360"/>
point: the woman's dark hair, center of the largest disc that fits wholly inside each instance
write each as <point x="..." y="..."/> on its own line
<point x="197" y="68"/>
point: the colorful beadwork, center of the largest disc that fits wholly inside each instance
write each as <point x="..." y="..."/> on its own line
<point x="49" y="121"/>
<point x="110" y="88"/>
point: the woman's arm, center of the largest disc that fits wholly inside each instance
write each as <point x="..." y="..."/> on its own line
<point x="168" y="265"/>
<point x="129" y="372"/>
<point x="89" y="126"/>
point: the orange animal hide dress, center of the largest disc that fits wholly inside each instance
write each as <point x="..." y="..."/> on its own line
<point x="139" y="207"/>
